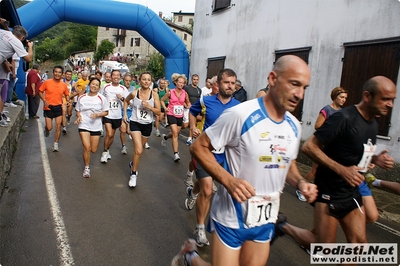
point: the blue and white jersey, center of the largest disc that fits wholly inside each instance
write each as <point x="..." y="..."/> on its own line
<point x="257" y="149"/>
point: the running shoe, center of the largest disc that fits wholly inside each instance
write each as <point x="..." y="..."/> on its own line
<point x="46" y="132"/>
<point x="189" y="247"/>
<point x="176" y="157"/>
<point x="158" y="134"/>
<point x="64" y="130"/>
<point x="3" y="123"/>
<point x="86" y="172"/>
<point x="133" y="177"/>
<point x="369" y="178"/>
<point x="300" y="196"/>
<point x="163" y="140"/>
<point x="124" y="150"/>
<point x="189" y="142"/>
<point x="108" y="155"/>
<point x="146" y="146"/>
<point x="104" y="157"/>
<point x="190" y="199"/>
<point x="55" y="147"/>
<point x="68" y="119"/>
<point x="200" y="237"/>
<point x="215" y="188"/>
<point x="189" y="179"/>
<point x="5" y="118"/>
<point x="102" y="133"/>
<point x="10" y="105"/>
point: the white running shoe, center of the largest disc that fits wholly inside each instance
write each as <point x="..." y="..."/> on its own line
<point x="215" y="189"/>
<point x="189" y="179"/>
<point x="190" y="199"/>
<point x="10" y="105"/>
<point x="3" y="123"/>
<point x="158" y="134"/>
<point x="132" y="180"/>
<point x="64" y="130"/>
<point x="176" y="157"/>
<point x="300" y="196"/>
<point x="108" y="155"/>
<point x="200" y="237"/>
<point x="86" y="172"/>
<point x="188" y="247"/>
<point x="146" y="146"/>
<point x="189" y="142"/>
<point x="4" y="117"/>
<point x="55" y="147"/>
<point x="104" y="157"/>
<point x="124" y="150"/>
<point x="163" y="140"/>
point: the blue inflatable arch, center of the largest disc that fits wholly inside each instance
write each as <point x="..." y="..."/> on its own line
<point x="40" y="15"/>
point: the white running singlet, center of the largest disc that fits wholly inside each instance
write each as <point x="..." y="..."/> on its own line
<point x="258" y="150"/>
<point x="114" y="104"/>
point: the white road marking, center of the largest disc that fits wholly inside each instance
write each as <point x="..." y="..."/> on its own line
<point x="59" y="226"/>
<point x="387" y="228"/>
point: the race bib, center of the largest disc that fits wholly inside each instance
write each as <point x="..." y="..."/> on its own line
<point x="369" y="151"/>
<point x="143" y="114"/>
<point x="262" y="209"/>
<point x="114" y="105"/>
<point x="178" y="110"/>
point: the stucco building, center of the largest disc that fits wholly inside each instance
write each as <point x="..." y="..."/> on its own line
<point x="344" y="42"/>
<point x="131" y="43"/>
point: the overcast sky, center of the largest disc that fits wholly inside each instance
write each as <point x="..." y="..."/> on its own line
<point x="166" y="6"/>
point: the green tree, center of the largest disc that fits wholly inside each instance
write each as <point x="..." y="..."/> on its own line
<point x="49" y="49"/>
<point x="82" y="37"/>
<point x="156" y="65"/>
<point x="105" y="48"/>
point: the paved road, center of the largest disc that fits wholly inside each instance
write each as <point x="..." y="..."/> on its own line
<point x="50" y="215"/>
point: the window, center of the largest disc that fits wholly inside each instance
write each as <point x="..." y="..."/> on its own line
<point x="180" y="18"/>
<point x="191" y="21"/>
<point x="137" y="41"/>
<point x="221" y="4"/>
<point x="131" y="42"/>
<point x="107" y="28"/>
<point x="303" y="54"/>
<point x="123" y="42"/>
<point x="214" y="65"/>
<point x="185" y="36"/>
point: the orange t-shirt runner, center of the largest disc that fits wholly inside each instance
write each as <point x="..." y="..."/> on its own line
<point x="53" y="92"/>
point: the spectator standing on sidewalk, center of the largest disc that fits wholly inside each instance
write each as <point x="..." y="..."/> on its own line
<point x="33" y="83"/>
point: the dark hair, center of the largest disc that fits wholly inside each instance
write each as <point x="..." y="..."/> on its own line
<point x="68" y="71"/>
<point x="115" y="70"/>
<point x="98" y="72"/>
<point x="60" y="67"/>
<point x="95" y="78"/>
<point x="336" y="91"/>
<point x="227" y="71"/>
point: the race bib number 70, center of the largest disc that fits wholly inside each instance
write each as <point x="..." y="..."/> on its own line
<point x="262" y="209"/>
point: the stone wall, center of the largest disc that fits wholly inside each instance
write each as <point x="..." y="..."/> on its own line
<point x="8" y="142"/>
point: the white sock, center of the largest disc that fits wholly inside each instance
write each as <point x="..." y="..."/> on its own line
<point x="200" y="226"/>
<point x="376" y="183"/>
<point x="189" y="173"/>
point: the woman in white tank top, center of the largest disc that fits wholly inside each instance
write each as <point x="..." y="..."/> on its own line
<point x="146" y="104"/>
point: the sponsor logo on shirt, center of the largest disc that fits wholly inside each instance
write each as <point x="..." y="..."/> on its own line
<point x="255" y="117"/>
<point x="265" y="159"/>
<point x="264" y="136"/>
<point x="274" y="166"/>
<point x="326" y="197"/>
